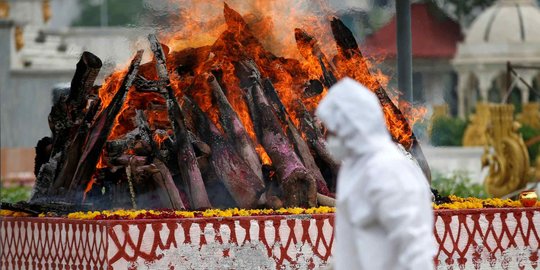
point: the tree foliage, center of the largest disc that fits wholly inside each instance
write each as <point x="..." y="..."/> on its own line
<point x="463" y="11"/>
<point x="529" y="133"/>
<point x="447" y="131"/>
<point x="119" y="12"/>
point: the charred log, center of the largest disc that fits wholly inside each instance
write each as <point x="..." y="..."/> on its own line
<point x="69" y="111"/>
<point x="313" y="88"/>
<point x="187" y="161"/>
<point x="161" y="176"/>
<point x="300" y="146"/>
<point x="43" y="153"/>
<point x="73" y="153"/>
<point x="311" y="51"/>
<point x="34" y="209"/>
<point x="99" y="132"/>
<point x="81" y="84"/>
<point x="234" y="128"/>
<point x="233" y="171"/>
<point x="298" y="185"/>
<point x="315" y="138"/>
<point x="348" y="50"/>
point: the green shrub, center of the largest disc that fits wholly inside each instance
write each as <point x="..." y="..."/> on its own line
<point x="447" y="131"/>
<point x="528" y="133"/>
<point x="459" y="184"/>
<point x="15" y="194"/>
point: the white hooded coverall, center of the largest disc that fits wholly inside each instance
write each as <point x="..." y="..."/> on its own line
<point x="384" y="218"/>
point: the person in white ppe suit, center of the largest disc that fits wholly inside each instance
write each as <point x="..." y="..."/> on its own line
<point x="384" y="218"/>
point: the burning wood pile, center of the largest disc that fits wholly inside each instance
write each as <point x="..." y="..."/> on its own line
<point x="226" y="125"/>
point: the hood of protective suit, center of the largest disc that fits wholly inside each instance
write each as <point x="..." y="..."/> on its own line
<point x="354" y="114"/>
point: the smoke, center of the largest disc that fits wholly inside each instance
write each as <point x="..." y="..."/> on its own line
<point x="191" y="23"/>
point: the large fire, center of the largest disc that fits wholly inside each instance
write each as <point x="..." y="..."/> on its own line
<point x="290" y="57"/>
<point x="213" y="44"/>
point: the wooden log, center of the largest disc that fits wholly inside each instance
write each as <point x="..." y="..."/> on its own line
<point x="298" y="185"/>
<point x="315" y="138"/>
<point x="166" y="189"/>
<point x="325" y="200"/>
<point x="34" y="209"/>
<point x="243" y="184"/>
<point x="73" y="153"/>
<point x="69" y="113"/>
<point x="162" y="178"/>
<point x="348" y="50"/>
<point x="300" y="146"/>
<point x="66" y="116"/>
<point x="43" y="153"/>
<point x="115" y="148"/>
<point x="187" y="161"/>
<point x="234" y="128"/>
<point x="146" y="133"/>
<point x="98" y="133"/>
<point x="311" y="51"/>
<point x="86" y="73"/>
<point x="313" y="88"/>
<point x="125" y="160"/>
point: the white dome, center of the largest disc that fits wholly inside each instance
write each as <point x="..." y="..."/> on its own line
<point x="507" y="31"/>
<point x="507" y="21"/>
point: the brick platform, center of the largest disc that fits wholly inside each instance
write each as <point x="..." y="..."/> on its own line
<point x="468" y="239"/>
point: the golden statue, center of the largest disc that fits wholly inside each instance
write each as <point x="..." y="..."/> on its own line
<point x="440" y="110"/>
<point x="19" y="38"/>
<point x="475" y="134"/>
<point x="505" y="153"/>
<point x="46" y="10"/>
<point x="4" y="9"/>
<point x="530" y="115"/>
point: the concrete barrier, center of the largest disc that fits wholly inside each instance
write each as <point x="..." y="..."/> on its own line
<point x="468" y="239"/>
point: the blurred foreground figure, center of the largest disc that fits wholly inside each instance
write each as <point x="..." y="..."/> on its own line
<point x="384" y="218"/>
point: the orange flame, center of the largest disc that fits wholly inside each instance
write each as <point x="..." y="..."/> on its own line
<point x="160" y="138"/>
<point x="202" y="45"/>
<point x="89" y="187"/>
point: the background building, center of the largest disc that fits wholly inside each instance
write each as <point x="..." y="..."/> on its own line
<point x="434" y="41"/>
<point x="507" y="32"/>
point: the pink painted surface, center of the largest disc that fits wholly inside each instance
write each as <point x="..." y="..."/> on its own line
<point x="468" y="239"/>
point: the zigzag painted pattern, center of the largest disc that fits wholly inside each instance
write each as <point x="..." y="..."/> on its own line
<point x="468" y="239"/>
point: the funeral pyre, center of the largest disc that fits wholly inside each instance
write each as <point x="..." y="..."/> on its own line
<point x="225" y="125"/>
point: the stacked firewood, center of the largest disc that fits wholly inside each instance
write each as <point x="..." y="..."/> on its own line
<point x="226" y="125"/>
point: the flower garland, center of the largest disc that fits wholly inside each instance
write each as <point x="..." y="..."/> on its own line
<point x="154" y="214"/>
<point x="9" y="213"/>
<point x="476" y="203"/>
<point x="455" y="204"/>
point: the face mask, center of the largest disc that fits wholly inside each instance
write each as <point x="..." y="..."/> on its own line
<point x="337" y="147"/>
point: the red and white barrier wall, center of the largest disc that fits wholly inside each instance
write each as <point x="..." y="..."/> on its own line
<point x="468" y="239"/>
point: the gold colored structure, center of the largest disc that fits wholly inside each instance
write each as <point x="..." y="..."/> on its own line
<point x="4" y="9"/>
<point x="505" y="153"/>
<point x="46" y="10"/>
<point x="19" y="38"/>
<point x="530" y="115"/>
<point x="475" y="134"/>
<point x="440" y="111"/>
